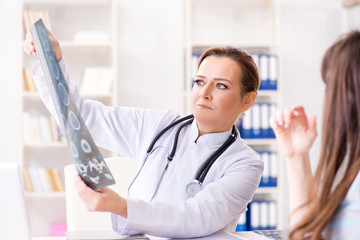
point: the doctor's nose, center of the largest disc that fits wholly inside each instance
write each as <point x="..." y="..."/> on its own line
<point x="206" y="93"/>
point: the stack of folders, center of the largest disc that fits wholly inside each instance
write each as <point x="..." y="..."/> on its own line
<point x="194" y="66"/>
<point x="40" y="179"/>
<point x="39" y="128"/>
<point x="29" y="84"/>
<point x="255" y="123"/>
<point x="261" y="215"/>
<point x="268" y="69"/>
<point x="269" y="176"/>
<point x="241" y="225"/>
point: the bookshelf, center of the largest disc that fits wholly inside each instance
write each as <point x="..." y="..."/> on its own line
<point x="87" y="42"/>
<point x="253" y="25"/>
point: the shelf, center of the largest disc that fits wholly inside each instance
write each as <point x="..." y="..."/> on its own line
<point x="31" y="95"/>
<point x="259" y="141"/>
<point x="46" y="145"/>
<point x="89" y="44"/>
<point x="67" y="2"/>
<point x="266" y="190"/>
<point x="34" y="96"/>
<point x="246" y="45"/>
<point x="44" y="194"/>
<point x="268" y="93"/>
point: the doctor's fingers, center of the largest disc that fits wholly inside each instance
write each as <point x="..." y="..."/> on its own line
<point x="56" y="45"/>
<point x="79" y="184"/>
<point x="82" y="189"/>
<point x="87" y="195"/>
<point x="29" y="45"/>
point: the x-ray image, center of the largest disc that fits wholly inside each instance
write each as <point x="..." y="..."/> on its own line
<point x="88" y="160"/>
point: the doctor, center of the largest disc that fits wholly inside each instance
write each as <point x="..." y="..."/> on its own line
<point x="194" y="178"/>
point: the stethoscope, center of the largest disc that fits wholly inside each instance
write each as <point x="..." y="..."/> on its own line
<point x="193" y="187"/>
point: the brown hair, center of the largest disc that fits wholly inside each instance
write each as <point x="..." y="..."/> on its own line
<point x="340" y="135"/>
<point x="249" y="79"/>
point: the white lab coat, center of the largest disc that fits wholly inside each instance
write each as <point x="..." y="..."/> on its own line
<point x="227" y="189"/>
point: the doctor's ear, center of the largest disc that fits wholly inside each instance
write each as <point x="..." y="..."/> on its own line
<point x="249" y="98"/>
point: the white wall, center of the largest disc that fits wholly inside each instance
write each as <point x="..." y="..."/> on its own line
<point x="308" y="29"/>
<point x="9" y="79"/>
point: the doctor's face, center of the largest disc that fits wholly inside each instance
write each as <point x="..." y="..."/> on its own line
<point x="216" y="97"/>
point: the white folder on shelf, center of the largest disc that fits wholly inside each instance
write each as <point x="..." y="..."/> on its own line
<point x="273" y="72"/>
<point x="264" y="71"/>
<point x="255" y="117"/>
<point x="264" y="212"/>
<point x="266" y="173"/>
<point x="265" y="126"/>
<point x="255" y="215"/>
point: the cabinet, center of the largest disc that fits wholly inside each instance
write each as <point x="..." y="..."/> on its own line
<point x="351" y="16"/>
<point x="87" y="32"/>
<point x="252" y="25"/>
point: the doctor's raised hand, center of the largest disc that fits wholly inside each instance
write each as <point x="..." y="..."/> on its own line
<point x="29" y="47"/>
<point x="196" y="175"/>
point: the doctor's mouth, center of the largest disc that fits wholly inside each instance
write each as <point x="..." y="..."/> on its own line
<point x="204" y="106"/>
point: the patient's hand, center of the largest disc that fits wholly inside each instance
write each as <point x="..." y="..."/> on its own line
<point x="29" y="47"/>
<point x="100" y="200"/>
<point x="294" y="131"/>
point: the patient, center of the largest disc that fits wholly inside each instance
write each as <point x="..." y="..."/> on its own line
<point x="326" y="205"/>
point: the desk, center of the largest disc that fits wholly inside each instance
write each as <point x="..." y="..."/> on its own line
<point x="237" y="235"/>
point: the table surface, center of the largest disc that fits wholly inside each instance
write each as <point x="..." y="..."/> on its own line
<point x="242" y="235"/>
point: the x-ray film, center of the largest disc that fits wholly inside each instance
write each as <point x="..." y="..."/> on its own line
<point x="89" y="162"/>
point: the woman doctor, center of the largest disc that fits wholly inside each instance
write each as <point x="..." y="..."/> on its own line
<point x="199" y="175"/>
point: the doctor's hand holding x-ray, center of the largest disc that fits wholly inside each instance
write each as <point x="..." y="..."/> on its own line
<point x="196" y="175"/>
<point x="102" y="199"/>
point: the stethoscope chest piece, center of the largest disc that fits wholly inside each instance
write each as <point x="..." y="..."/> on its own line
<point x="193" y="188"/>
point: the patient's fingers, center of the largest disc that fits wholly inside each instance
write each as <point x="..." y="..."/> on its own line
<point x="287" y="117"/>
<point x="280" y="117"/>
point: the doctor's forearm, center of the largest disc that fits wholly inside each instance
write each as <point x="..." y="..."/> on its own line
<point x="119" y="206"/>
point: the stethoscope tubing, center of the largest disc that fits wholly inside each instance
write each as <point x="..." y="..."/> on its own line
<point x="151" y="146"/>
<point x="202" y="171"/>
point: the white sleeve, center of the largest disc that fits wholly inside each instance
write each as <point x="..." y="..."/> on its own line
<point x="120" y="129"/>
<point x="210" y="211"/>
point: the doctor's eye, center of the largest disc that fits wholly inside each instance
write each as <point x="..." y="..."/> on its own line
<point x="199" y="82"/>
<point x="221" y="86"/>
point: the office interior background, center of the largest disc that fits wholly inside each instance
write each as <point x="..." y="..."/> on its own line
<point x="150" y="40"/>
